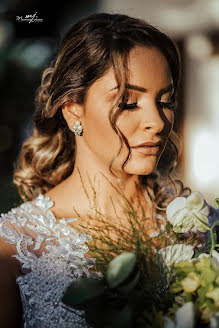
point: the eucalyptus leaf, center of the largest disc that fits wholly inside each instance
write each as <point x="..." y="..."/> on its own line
<point x="82" y="291"/>
<point x="127" y="288"/>
<point x="120" y="268"/>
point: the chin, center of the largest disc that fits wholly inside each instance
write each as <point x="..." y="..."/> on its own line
<point x="141" y="168"/>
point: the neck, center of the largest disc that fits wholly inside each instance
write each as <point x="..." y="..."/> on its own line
<point x="91" y="188"/>
<point x="94" y="186"/>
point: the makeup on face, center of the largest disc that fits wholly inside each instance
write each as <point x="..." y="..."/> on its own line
<point x="146" y="114"/>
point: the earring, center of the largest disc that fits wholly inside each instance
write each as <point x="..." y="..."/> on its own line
<point x="77" y="128"/>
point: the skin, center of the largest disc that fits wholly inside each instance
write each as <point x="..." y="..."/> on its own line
<point x="99" y="144"/>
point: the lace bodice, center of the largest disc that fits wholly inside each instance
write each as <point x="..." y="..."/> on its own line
<point x="51" y="254"/>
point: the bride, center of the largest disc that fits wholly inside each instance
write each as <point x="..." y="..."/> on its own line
<point x="104" y="119"/>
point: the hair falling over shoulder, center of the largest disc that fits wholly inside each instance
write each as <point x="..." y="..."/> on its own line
<point x="87" y="50"/>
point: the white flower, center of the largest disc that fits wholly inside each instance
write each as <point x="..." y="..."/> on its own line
<point x="188" y="213"/>
<point x="175" y="253"/>
<point x="184" y="317"/>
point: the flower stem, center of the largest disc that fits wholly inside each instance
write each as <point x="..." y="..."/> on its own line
<point x="212" y="242"/>
<point x="214" y="224"/>
<point x="211" y="230"/>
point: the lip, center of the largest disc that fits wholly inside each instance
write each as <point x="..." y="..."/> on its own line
<point x="148" y="144"/>
<point x="148" y="148"/>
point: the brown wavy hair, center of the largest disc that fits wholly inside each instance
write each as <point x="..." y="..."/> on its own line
<point x="87" y="50"/>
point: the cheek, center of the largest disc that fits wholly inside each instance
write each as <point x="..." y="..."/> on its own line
<point x="127" y="124"/>
<point x="98" y="133"/>
<point x="96" y="118"/>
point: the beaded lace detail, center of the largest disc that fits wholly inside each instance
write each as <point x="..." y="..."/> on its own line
<point x="51" y="254"/>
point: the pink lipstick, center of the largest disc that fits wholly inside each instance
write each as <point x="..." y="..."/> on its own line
<point x="148" y="148"/>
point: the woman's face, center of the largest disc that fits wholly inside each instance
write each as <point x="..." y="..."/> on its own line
<point x="148" y="120"/>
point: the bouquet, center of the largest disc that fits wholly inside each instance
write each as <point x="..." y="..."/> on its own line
<point x="175" y="285"/>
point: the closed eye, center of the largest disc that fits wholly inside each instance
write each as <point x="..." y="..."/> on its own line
<point x="128" y="106"/>
<point x="133" y="106"/>
<point x="169" y="105"/>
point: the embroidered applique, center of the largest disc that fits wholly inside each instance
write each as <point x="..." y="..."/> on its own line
<point x="47" y="273"/>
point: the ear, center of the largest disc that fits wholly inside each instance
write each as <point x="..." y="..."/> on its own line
<point x="72" y="112"/>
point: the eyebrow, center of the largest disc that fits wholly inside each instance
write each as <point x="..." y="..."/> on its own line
<point x="136" y="87"/>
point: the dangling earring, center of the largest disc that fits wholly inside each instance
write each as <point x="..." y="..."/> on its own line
<point x="77" y="128"/>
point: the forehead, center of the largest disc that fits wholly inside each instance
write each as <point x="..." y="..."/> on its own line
<point x="147" y="67"/>
<point x="148" y="62"/>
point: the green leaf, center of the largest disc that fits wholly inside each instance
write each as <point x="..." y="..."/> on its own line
<point x="82" y="291"/>
<point x="208" y="277"/>
<point x="127" y="288"/>
<point x="184" y="267"/>
<point x="203" y="265"/>
<point x="120" y="268"/>
<point x="201" y="293"/>
<point x="197" y="253"/>
<point x="209" y="304"/>
<point x="176" y="287"/>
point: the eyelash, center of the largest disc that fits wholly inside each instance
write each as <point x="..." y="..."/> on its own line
<point x="133" y="106"/>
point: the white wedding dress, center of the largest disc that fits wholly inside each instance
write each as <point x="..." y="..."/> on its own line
<point x="51" y="255"/>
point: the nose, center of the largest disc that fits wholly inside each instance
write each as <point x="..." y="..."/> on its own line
<point x="151" y="120"/>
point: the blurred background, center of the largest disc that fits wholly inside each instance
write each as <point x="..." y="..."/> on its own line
<point x="26" y="49"/>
